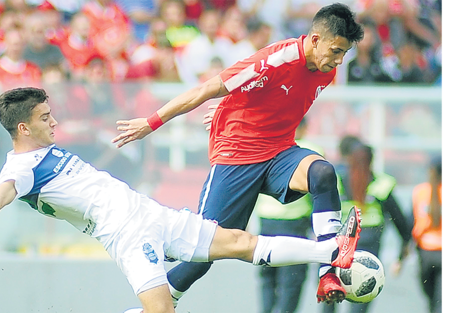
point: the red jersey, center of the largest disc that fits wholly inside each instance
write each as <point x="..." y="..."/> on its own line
<point x="18" y="74"/>
<point x="77" y="52"/>
<point x="103" y="19"/>
<point x="110" y="27"/>
<point x="270" y="92"/>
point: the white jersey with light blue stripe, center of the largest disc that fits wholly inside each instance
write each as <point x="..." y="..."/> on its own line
<point x="59" y="184"/>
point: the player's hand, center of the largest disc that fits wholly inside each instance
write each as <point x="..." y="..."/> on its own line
<point x="209" y="116"/>
<point x="131" y="130"/>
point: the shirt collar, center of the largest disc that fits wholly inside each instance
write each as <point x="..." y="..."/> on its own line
<point x="300" y="44"/>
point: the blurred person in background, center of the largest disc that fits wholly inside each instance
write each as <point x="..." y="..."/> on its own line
<point x="233" y="25"/>
<point x="373" y="193"/>
<point x="259" y="34"/>
<point x="178" y="32"/>
<point x="299" y="13"/>
<point x="7" y="20"/>
<point x="140" y="14"/>
<point x="269" y="12"/>
<point x="76" y="45"/>
<point x="404" y="28"/>
<point x="58" y="11"/>
<point x="423" y="20"/>
<point x="364" y="67"/>
<point x="424" y="23"/>
<point x="298" y="16"/>
<point x="20" y="7"/>
<point x="53" y="74"/>
<point x="105" y="102"/>
<point x="195" y="59"/>
<point x="87" y="111"/>
<point x="15" y="71"/>
<point x="385" y="17"/>
<point x="38" y="48"/>
<point x="411" y="72"/>
<point x="194" y="9"/>
<point x="281" y="287"/>
<point x="55" y="79"/>
<point x="216" y="66"/>
<point x="55" y="20"/>
<point x="221" y="5"/>
<point x="155" y="59"/>
<point x="427" y="233"/>
<point x="110" y="30"/>
<point x="346" y="146"/>
<point x="79" y="112"/>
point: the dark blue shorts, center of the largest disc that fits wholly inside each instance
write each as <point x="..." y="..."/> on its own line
<point x="230" y="191"/>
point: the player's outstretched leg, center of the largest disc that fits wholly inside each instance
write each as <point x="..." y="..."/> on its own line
<point x="270" y="251"/>
<point x="283" y="251"/>
<point x="329" y="288"/>
<point x="155" y="300"/>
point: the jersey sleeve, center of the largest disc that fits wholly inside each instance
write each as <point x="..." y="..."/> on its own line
<point x="24" y="179"/>
<point x="243" y="71"/>
<point x="264" y="63"/>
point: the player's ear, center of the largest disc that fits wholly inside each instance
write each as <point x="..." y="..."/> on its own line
<point x="315" y="39"/>
<point x="23" y="129"/>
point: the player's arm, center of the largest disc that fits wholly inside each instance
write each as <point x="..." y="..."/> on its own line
<point x="140" y="127"/>
<point x="213" y="88"/>
<point x="7" y="193"/>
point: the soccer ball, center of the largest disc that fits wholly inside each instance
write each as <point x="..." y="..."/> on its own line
<point x="364" y="280"/>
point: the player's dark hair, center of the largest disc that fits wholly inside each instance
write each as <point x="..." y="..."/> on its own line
<point x="16" y="106"/>
<point x="348" y="144"/>
<point x="339" y="20"/>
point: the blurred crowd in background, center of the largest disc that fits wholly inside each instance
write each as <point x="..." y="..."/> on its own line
<point x="190" y="41"/>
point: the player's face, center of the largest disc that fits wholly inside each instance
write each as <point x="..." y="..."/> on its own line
<point x="328" y="52"/>
<point x="42" y="126"/>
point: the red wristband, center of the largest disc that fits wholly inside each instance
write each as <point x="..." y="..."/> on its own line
<point x="154" y="121"/>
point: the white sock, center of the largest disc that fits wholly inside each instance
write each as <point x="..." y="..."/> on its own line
<point x="325" y="223"/>
<point x="175" y="293"/>
<point x="282" y="251"/>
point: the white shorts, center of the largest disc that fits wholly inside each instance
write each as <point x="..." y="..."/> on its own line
<point x="154" y="232"/>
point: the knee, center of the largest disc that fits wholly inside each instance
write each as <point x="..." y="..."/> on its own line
<point x="321" y="177"/>
<point x="200" y="268"/>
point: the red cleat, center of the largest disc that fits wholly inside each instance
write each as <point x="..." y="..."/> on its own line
<point x="330" y="289"/>
<point x="347" y="239"/>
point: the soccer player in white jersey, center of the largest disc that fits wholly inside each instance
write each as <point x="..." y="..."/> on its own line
<point x="137" y="232"/>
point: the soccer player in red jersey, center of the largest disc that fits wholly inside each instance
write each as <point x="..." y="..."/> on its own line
<point x="252" y="148"/>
